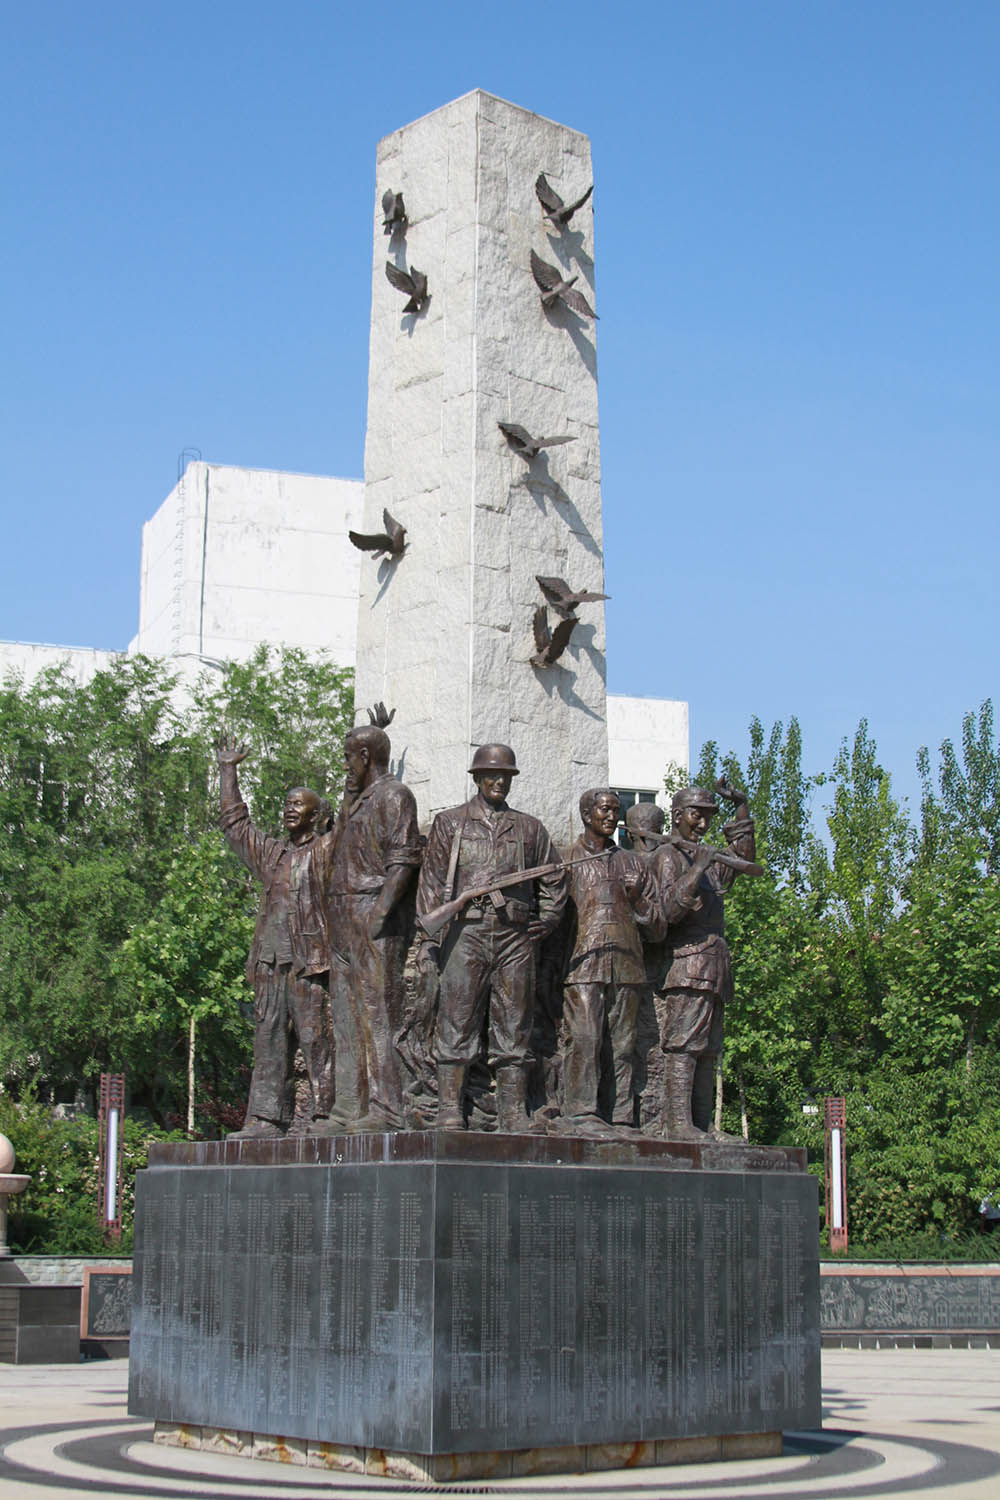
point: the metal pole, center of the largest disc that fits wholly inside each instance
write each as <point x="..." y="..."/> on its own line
<point x="112" y="1112"/>
<point x="835" y="1117"/>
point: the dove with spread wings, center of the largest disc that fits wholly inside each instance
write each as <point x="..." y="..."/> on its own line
<point x="412" y="282"/>
<point x="553" y="207"/>
<point x="564" y="599"/>
<point x="526" y="446"/>
<point x="554" y="288"/>
<point x="550" y="644"/>
<point x="392" y="541"/>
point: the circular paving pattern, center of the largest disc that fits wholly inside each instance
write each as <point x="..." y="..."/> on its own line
<point x="118" y="1458"/>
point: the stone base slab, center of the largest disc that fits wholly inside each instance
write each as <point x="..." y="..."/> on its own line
<point x="445" y="1301"/>
<point x="499" y="1464"/>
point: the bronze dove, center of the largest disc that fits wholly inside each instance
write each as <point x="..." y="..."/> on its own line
<point x="391" y="541"/>
<point x="380" y="717"/>
<point x="526" y="446"/>
<point x="549" y="280"/>
<point x="564" y="599"/>
<point x="550" y="644"/>
<point x="393" y="212"/>
<point x="412" y="282"/>
<point x="553" y="207"/>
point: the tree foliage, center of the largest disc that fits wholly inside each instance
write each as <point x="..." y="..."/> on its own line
<point x="867" y="963"/>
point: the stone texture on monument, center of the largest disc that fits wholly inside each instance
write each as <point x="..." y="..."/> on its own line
<point x="449" y="1295"/>
<point x="445" y="632"/>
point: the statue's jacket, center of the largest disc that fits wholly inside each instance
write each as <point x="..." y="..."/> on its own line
<point x="374" y="831"/>
<point x="696" y="955"/>
<point x="291" y="923"/>
<point x="608" y="898"/>
<point x="472" y="848"/>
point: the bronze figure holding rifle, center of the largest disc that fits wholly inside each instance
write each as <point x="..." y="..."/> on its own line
<point x="697" y="977"/>
<point x="486" y="951"/>
<point x="605" y="976"/>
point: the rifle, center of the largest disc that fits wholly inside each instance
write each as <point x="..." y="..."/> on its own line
<point x="433" y="921"/>
<point x="719" y="856"/>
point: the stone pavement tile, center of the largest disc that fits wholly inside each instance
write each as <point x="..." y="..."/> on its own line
<point x="899" y="1422"/>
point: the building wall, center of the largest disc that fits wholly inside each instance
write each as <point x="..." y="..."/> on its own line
<point x="644" y="736"/>
<point x="25" y="659"/>
<point x="238" y="556"/>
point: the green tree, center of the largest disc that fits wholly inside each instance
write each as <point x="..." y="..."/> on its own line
<point x="943" y="962"/>
<point x="967" y="802"/>
<point x="184" y="965"/>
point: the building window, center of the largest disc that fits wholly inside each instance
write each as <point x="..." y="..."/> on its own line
<point x="628" y="797"/>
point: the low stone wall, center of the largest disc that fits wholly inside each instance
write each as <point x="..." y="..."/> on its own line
<point x="53" y="1270"/>
<point x="884" y="1305"/>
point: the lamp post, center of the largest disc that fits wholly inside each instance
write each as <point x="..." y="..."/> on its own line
<point x="112" y="1112"/>
<point x="835" y="1118"/>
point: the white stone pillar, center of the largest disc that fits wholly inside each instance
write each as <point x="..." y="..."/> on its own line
<point x="445" y="632"/>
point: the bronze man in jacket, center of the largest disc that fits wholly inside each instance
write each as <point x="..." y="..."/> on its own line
<point x="289" y="961"/>
<point x="487" y="955"/>
<point x="375" y="860"/>
<point x="698" y="976"/>
<point x="606" y="974"/>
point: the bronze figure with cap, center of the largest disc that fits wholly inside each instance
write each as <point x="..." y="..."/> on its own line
<point x="697" y="977"/>
<point x="486" y="954"/>
<point x="289" y="961"/>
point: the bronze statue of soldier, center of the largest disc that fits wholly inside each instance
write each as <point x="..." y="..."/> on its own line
<point x="698" y="979"/>
<point x="375" y="858"/>
<point x="289" y="960"/>
<point x="486" y="955"/>
<point x="605" y="976"/>
<point x="644" y="823"/>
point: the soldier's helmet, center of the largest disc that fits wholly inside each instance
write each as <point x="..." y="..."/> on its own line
<point x="694" y="796"/>
<point x="494" y="758"/>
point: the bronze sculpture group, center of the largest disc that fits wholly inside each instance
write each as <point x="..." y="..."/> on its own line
<point x="357" y="917"/>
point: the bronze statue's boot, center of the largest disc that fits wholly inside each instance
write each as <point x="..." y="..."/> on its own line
<point x="450" y="1080"/>
<point x="257" y="1129"/>
<point x="702" y="1100"/>
<point x="678" y="1079"/>
<point x="587" y="1127"/>
<point x="512" y="1113"/>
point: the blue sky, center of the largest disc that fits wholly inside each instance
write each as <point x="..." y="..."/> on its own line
<point x="797" y="247"/>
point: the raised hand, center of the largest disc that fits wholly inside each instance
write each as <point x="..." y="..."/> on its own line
<point x="730" y="792"/>
<point x="229" y="752"/>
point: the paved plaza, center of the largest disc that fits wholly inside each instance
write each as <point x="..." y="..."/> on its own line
<point x="896" y="1422"/>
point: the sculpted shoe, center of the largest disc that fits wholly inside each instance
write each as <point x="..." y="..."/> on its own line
<point x="450" y="1080"/>
<point x="588" y="1127"/>
<point x="257" y="1130"/>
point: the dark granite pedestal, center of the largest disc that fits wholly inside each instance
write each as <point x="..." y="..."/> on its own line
<point x="455" y="1304"/>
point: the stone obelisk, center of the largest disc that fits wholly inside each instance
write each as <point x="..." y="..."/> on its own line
<point x="445" y="632"/>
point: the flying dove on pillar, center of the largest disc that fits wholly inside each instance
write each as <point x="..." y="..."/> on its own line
<point x="526" y="446"/>
<point x="413" y="283"/>
<point x="563" y="599"/>
<point x="393" y="212"/>
<point x="392" y="541"/>
<point x="550" y="644"/>
<point x="553" y="207"/>
<point x="554" y="288"/>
